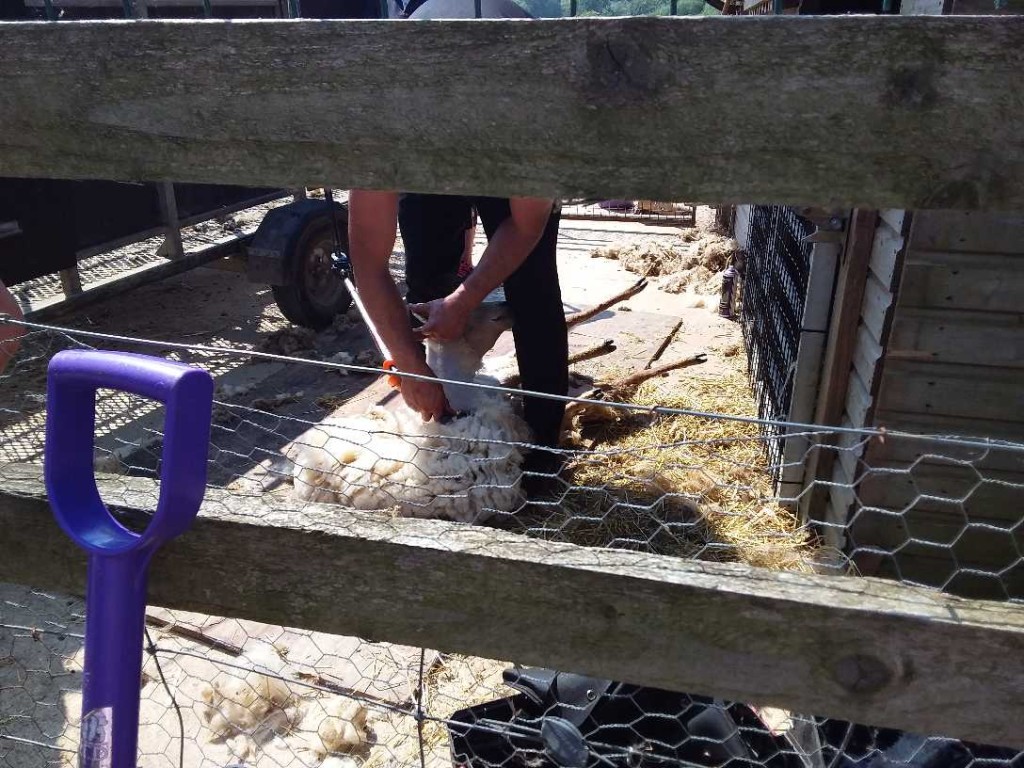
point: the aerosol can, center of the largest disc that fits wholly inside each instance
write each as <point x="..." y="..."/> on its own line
<point x="728" y="291"/>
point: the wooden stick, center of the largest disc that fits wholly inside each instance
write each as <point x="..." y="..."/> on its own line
<point x="583" y="315"/>
<point x="194" y="634"/>
<point x="635" y="379"/>
<point x="597" y="410"/>
<point x="606" y="346"/>
<point x="664" y="345"/>
<point x="315" y="678"/>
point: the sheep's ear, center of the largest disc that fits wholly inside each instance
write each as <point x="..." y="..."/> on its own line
<point x="207" y="693"/>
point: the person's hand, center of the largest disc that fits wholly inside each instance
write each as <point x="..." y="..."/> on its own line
<point x="9" y="334"/>
<point x="445" y="319"/>
<point x="427" y="398"/>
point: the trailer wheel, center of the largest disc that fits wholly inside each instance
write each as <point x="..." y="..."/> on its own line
<point x="313" y="294"/>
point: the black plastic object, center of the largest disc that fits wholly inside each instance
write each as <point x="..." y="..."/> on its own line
<point x="848" y="745"/>
<point x="560" y="720"/>
<point x="564" y="742"/>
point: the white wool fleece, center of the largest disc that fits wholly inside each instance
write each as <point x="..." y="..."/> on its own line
<point x="466" y="470"/>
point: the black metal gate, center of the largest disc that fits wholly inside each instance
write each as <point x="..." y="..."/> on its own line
<point x="774" y="292"/>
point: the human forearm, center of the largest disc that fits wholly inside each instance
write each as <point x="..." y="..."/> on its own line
<point x="391" y="318"/>
<point x="506" y="251"/>
<point x="372" y="224"/>
<point x="373" y="218"/>
<point x="508" y="248"/>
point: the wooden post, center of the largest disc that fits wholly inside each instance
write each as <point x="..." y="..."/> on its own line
<point x="70" y="281"/>
<point x="917" y="130"/>
<point x="169" y="210"/>
<point x="849" y="297"/>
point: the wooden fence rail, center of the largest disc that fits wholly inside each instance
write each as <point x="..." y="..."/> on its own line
<point x="898" y="112"/>
<point x="872" y="651"/>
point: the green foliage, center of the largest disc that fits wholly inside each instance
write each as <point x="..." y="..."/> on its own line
<point x="557" y="8"/>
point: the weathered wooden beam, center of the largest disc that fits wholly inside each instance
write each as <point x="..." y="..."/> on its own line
<point x="811" y="110"/>
<point x="863" y="649"/>
<point x="840" y="345"/>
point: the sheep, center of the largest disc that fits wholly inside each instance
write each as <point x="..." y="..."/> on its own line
<point x="463" y="470"/>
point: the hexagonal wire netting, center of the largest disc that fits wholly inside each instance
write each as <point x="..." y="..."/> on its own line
<point x="938" y="512"/>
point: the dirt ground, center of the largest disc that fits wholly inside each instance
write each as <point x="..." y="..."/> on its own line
<point x="40" y="672"/>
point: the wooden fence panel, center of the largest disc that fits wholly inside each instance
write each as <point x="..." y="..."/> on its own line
<point x="868" y="650"/>
<point x="896" y="112"/>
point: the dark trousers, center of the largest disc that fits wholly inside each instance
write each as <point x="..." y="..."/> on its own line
<point x="433" y="228"/>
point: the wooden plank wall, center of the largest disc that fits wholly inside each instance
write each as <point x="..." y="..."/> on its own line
<point x="837" y="371"/>
<point x="954" y="364"/>
<point x="880" y="284"/>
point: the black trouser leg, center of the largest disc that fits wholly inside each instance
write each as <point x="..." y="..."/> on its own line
<point x="541" y="336"/>
<point x="433" y="230"/>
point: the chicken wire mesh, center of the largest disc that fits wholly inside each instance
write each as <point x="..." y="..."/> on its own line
<point x="644" y="474"/>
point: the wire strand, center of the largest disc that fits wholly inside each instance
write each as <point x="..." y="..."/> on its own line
<point x="151" y="648"/>
<point x="634" y="407"/>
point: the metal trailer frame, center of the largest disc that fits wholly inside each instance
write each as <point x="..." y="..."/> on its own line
<point x="39" y="238"/>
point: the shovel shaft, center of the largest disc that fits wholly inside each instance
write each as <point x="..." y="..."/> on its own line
<point x="116" y="594"/>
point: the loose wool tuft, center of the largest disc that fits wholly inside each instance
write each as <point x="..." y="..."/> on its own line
<point x="241" y="704"/>
<point x="333" y="726"/>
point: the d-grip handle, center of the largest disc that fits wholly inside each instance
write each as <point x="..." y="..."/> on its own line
<point x="72" y="380"/>
<point x="118" y="557"/>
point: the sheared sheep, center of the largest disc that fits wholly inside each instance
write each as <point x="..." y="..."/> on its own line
<point x="464" y="470"/>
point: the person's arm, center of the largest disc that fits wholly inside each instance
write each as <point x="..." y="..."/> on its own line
<point x="513" y="241"/>
<point x="372" y="223"/>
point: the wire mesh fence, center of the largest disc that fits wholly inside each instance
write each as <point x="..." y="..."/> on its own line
<point x="776" y="270"/>
<point x="641" y="470"/>
<point x="643" y="211"/>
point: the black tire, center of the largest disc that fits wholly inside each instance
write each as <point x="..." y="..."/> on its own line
<point x="313" y="294"/>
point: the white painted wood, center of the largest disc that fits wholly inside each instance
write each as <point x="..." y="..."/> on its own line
<point x="885" y="253"/>
<point x="875" y="309"/>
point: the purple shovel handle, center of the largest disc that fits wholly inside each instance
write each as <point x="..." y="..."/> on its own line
<point x="119" y="557"/>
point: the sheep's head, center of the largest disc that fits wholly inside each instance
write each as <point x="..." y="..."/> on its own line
<point x="486" y="323"/>
<point x="460" y="360"/>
